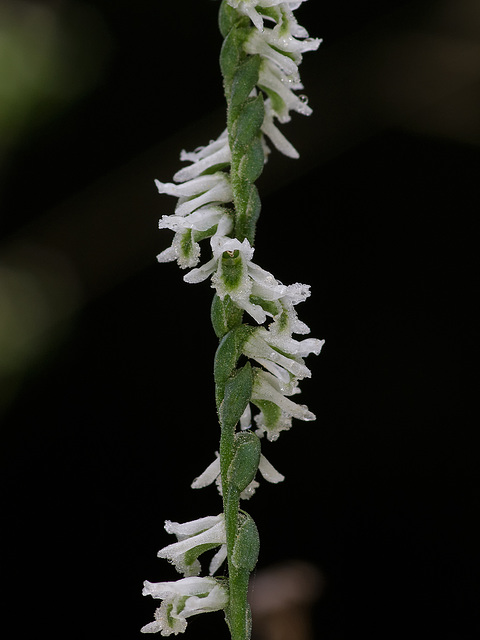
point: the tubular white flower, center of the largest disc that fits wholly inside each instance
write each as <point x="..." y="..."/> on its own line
<point x="276" y="410"/>
<point x="285" y="34"/>
<point x="271" y="79"/>
<point x="184" y="248"/>
<point x="249" y="8"/>
<point x="195" y="193"/>
<point x="209" y="531"/>
<point x="204" y="158"/>
<point x="286" y="320"/>
<point x="245" y="285"/>
<point x="212" y="474"/>
<point x="257" y="43"/>
<point x="261" y="348"/>
<point x="182" y="599"/>
<point x="200" y="220"/>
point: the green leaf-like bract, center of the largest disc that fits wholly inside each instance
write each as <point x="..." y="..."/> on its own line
<point x="228" y="352"/>
<point x="245" y="460"/>
<point x="225" y="315"/>
<point x="247" y="544"/>
<point x="238" y="391"/>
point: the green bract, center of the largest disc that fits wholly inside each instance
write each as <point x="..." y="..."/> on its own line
<point x="237" y="395"/>
<point x="246" y="458"/>
<point x="224" y="315"/>
<point x="247" y="544"/>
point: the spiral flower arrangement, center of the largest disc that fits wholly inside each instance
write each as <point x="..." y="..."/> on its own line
<point x="217" y="200"/>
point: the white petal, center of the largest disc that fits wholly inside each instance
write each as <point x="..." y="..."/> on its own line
<point x="192" y="528"/>
<point x="246" y="418"/>
<point x="258" y="347"/>
<point x="216" y="599"/>
<point x="268" y="471"/>
<point x="152" y="627"/>
<point x="292" y="102"/>
<point x="278" y="139"/>
<point x="169" y="255"/>
<point x="201" y="273"/>
<point x="203" y="152"/>
<point x="222" y="156"/>
<point x="256" y="45"/>
<point x="218" y="559"/>
<point x="208" y="476"/>
<point x="219" y="192"/>
<point x="264" y="390"/>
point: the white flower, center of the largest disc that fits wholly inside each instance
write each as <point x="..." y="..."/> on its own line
<point x="286" y="319"/>
<point x="194" y="538"/>
<point x="276" y="410"/>
<point x="257" y="43"/>
<point x="200" y="220"/>
<point x="182" y="599"/>
<point x="250" y="281"/>
<point x="202" y="190"/>
<point x="212" y="474"/>
<point x="265" y="351"/>
<point x="216" y="153"/>
<point x="284" y="36"/>
<point x="202" y="223"/>
<point x="249" y="8"/>
<point x="274" y="82"/>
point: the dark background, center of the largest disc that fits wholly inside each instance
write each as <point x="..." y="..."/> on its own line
<point x="106" y="401"/>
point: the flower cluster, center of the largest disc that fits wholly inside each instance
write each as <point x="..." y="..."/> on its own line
<point x="280" y="49"/>
<point x="204" y="211"/>
<point x="193" y="594"/>
<point x="204" y="191"/>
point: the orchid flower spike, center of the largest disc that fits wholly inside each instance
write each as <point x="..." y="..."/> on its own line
<point x="259" y="363"/>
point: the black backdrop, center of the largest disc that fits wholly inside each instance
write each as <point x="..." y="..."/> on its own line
<point x="110" y="419"/>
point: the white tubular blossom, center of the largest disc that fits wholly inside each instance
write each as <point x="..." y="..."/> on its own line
<point x="195" y="193"/>
<point x="201" y="198"/>
<point x="190" y="535"/>
<point x="249" y="8"/>
<point x="203" y="158"/>
<point x="182" y="599"/>
<point x="260" y="348"/>
<point x="276" y="410"/>
<point x="200" y="220"/>
<point x="272" y="79"/>
<point x="258" y="43"/>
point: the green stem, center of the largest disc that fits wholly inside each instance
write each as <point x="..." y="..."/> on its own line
<point x="238" y="608"/>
